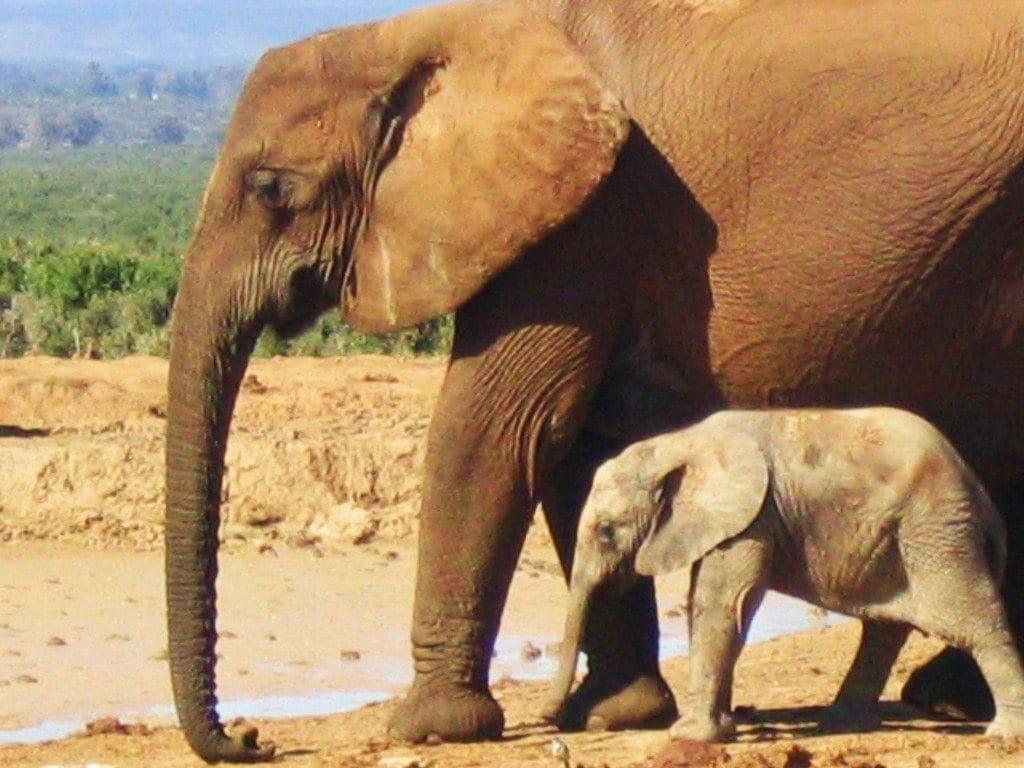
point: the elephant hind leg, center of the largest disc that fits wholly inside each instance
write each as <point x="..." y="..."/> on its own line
<point x="623" y="688"/>
<point x="950" y="685"/>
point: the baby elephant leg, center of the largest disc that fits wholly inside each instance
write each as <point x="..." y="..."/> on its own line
<point x="726" y="588"/>
<point x="855" y="707"/>
<point x="968" y="613"/>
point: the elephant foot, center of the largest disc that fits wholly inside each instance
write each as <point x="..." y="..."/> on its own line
<point x="703" y="729"/>
<point x="1008" y="722"/>
<point x="449" y="713"/>
<point x="242" y="748"/>
<point x="643" y="703"/>
<point x="950" y="686"/>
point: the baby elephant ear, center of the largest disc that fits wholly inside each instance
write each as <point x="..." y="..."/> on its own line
<point x="714" y="491"/>
<point x="498" y="132"/>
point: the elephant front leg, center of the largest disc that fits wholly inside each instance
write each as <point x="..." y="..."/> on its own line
<point x="728" y="586"/>
<point x="473" y="521"/>
<point x="624" y="688"/>
<point x="527" y="358"/>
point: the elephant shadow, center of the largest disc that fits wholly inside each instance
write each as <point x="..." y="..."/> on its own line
<point x="802" y="722"/>
<point x="12" y="430"/>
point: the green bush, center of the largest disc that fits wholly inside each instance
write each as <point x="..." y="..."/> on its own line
<point x="90" y="246"/>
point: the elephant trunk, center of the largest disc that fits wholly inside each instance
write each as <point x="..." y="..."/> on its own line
<point x="572" y="642"/>
<point x="207" y="364"/>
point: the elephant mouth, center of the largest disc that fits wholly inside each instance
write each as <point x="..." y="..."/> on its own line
<point x="306" y="301"/>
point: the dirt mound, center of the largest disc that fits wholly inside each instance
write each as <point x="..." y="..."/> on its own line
<point x="322" y="451"/>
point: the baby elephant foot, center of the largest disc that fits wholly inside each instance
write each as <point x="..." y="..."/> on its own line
<point x="850" y="718"/>
<point x="703" y="728"/>
<point x="1008" y="722"/>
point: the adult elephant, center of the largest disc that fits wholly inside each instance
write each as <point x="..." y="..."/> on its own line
<point x="639" y="211"/>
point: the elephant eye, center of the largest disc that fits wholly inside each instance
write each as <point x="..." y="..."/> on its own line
<point x="270" y="188"/>
<point x="605" y="532"/>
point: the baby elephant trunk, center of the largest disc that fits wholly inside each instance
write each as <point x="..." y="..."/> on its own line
<point x="579" y="600"/>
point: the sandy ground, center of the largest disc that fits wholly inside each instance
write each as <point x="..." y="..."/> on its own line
<point x="316" y="590"/>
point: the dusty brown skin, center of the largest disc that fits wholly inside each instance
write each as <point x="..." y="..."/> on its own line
<point x="639" y="211"/>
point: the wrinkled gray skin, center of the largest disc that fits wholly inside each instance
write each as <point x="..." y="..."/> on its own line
<point x="868" y="512"/>
<point x="638" y="211"/>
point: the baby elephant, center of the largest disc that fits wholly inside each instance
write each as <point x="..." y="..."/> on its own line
<point x="868" y="512"/>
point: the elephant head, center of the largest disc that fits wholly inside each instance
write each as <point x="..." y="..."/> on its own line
<point x="389" y="169"/>
<point x="659" y="506"/>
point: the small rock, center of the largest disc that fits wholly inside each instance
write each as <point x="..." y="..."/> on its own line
<point x="111" y="725"/>
<point x="404" y="761"/>
<point x="252" y="384"/>
<point x="25" y="680"/>
<point x="530" y="652"/>
<point x="351" y="655"/>
<point x="227" y="634"/>
<point x="55" y="641"/>
<point x="120" y="636"/>
<point x="686" y="753"/>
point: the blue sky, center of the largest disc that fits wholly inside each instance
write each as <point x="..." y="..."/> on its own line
<point x="176" y="31"/>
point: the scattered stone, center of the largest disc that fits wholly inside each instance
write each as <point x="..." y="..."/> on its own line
<point x="404" y="761"/>
<point x="120" y="636"/>
<point x="380" y="378"/>
<point x="267" y="549"/>
<point x="112" y="726"/>
<point x="351" y="655"/>
<point x="530" y="652"/>
<point x="560" y="751"/>
<point x="56" y="641"/>
<point x="25" y="680"/>
<point x="254" y="385"/>
<point x="686" y="753"/>
<point x="227" y="634"/>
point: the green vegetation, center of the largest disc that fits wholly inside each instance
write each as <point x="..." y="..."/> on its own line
<point x="90" y="248"/>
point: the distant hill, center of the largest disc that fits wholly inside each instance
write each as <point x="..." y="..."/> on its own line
<point x="194" y="33"/>
<point x="131" y="73"/>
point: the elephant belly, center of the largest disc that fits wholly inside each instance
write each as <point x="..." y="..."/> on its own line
<point x="951" y="350"/>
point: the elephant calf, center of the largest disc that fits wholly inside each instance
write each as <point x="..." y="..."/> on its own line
<point x="868" y="512"/>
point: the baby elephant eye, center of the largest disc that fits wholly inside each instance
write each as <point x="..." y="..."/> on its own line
<point x="605" y="532"/>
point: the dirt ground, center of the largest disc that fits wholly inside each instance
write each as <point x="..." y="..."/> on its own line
<point x="316" y="589"/>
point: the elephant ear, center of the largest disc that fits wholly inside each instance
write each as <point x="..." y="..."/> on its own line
<point x="714" y="491"/>
<point x="492" y="133"/>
